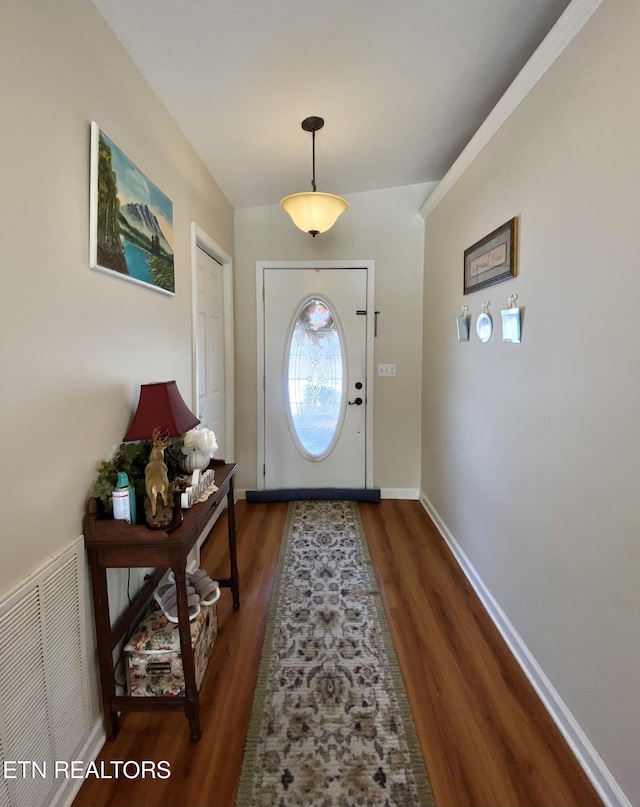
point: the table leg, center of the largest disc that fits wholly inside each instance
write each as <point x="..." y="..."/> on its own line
<point x="103" y="649"/>
<point x="191" y="706"/>
<point x="234" y="576"/>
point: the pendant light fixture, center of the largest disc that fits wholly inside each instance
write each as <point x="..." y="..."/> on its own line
<point x="314" y="212"/>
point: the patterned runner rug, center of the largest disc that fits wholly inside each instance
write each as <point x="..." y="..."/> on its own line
<point x="331" y="725"/>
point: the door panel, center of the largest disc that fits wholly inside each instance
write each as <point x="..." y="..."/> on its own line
<point x="210" y="346"/>
<point x="316" y="309"/>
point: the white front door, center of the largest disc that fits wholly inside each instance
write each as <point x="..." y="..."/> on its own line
<point x="315" y="377"/>
<point x="210" y="346"/>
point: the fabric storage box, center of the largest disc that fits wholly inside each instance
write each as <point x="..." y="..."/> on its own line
<point x="152" y="655"/>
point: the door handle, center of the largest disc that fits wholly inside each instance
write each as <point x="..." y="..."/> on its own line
<point x="357" y="402"/>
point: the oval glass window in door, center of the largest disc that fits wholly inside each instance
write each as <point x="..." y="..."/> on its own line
<point x="315" y="373"/>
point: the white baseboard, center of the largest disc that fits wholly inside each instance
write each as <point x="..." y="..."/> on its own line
<point x="69" y="787"/>
<point x="399" y="493"/>
<point x="591" y="762"/>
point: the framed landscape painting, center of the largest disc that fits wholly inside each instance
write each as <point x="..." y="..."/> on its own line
<point x="131" y="220"/>
<point x="492" y="259"/>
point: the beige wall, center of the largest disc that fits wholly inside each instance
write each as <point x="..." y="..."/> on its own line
<point x="381" y="225"/>
<point x="530" y="452"/>
<point x="76" y="344"/>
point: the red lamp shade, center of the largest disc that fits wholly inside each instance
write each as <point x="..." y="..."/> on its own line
<point x="160" y="407"/>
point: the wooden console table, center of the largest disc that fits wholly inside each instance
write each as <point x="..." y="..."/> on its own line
<point x="115" y="544"/>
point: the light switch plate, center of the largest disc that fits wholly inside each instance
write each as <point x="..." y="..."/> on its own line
<point x="387" y="369"/>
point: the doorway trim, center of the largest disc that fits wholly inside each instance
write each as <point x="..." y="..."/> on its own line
<point x="200" y="239"/>
<point x="261" y="267"/>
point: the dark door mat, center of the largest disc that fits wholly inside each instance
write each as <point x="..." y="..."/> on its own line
<point x="315" y="494"/>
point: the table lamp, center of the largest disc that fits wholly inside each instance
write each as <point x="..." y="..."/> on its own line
<point x="161" y="414"/>
<point x="162" y="408"/>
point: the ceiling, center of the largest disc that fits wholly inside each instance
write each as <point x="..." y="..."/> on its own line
<point x="402" y="85"/>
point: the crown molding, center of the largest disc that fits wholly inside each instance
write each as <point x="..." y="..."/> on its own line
<point x="570" y="23"/>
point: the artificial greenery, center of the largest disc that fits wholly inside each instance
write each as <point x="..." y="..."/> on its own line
<point x="132" y="458"/>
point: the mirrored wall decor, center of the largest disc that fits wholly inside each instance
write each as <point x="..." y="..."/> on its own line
<point x="511" y="321"/>
<point x="462" y="323"/>
<point x="484" y="324"/>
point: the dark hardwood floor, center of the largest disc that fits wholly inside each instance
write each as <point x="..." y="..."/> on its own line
<point x="485" y="736"/>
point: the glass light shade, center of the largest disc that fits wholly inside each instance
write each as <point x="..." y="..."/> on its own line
<point x="160" y="407"/>
<point x="314" y="212"/>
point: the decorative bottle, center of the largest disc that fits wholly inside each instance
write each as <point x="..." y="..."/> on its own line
<point x="123" y="497"/>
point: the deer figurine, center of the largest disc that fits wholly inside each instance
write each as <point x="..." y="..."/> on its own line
<point x="155" y="473"/>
